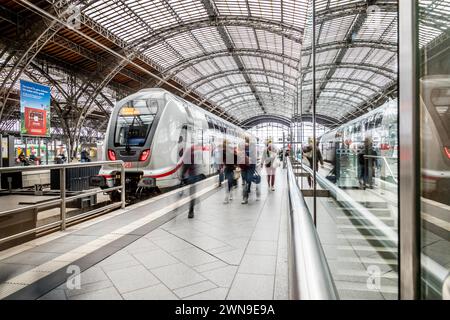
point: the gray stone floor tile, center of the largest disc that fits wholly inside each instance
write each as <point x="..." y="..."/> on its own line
<point x="223" y="277"/>
<point x="231" y="257"/>
<point x="93" y="274"/>
<point x="194" y="289"/>
<point x="357" y="295"/>
<point x="172" y="244"/>
<point x="157" y="292"/>
<point x="118" y="257"/>
<point x="57" y="294"/>
<point x="210" y="266"/>
<point x="206" y="242"/>
<point x="119" y="260"/>
<point x="158" y="234"/>
<point x="119" y="265"/>
<point x="89" y="287"/>
<point x="31" y="258"/>
<point x="131" y="279"/>
<point x="251" y="287"/>
<point x="214" y="294"/>
<point x="76" y="238"/>
<point x="104" y="294"/>
<point x="221" y="249"/>
<point x="177" y="276"/>
<point x="240" y="242"/>
<point x="258" y="264"/>
<point x="193" y="256"/>
<point x="56" y="247"/>
<point x="155" y="259"/>
<point x="141" y="245"/>
<point x="267" y="234"/>
<point x="268" y="248"/>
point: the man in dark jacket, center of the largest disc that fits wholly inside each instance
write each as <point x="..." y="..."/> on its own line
<point x="247" y="170"/>
<point x="229" y="158"/>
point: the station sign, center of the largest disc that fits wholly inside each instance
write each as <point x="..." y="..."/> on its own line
<point x="34" y="109"/>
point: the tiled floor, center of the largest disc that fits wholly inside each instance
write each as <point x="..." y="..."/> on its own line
<point x="228" y="251"/>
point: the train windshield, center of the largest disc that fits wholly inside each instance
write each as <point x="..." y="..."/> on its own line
<point x="134" y="121"/>
<point x="440" y="99"/>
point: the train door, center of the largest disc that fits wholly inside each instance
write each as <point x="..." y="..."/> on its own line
<point x="199" y="146"/>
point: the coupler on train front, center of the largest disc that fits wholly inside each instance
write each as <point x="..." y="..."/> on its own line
<point x="136" y="186"/>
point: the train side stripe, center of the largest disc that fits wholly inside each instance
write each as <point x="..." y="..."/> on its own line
<point x="165" y="174"/>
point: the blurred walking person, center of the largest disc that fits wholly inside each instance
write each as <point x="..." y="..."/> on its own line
<point x="190" y="176"/>
<point x="269" y="158"/>
<point x="248" y="168"/>
<point x="229" y="158"/>
<point x="308" y="153"/>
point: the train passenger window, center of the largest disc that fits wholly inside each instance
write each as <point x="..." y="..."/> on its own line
<point x="378" y="120"/>
<point x="364" y="124"/>
<point x="134" y="121"/>
<point x="440" y="102"/>
<point x="370" y="123"/>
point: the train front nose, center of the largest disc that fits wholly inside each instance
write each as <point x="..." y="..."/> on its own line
<point x="134" y="156"/>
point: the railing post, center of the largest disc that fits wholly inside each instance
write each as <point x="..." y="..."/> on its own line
<point x="122" y="182"/>
<point x="62" y="186"/>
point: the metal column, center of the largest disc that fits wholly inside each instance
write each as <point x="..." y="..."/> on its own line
<point x="62" y="187"/>
<point x="409" y="125"/>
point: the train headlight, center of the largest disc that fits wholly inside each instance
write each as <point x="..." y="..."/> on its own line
<point x="144" y="155"/>
<point x="111" y="155"/>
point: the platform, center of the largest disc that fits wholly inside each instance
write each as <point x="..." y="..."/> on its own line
<point x="153" y="251"/>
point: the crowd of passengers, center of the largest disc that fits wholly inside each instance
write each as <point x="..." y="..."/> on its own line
<point x="233" y="163"/>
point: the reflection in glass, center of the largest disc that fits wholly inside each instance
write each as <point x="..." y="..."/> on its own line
<point x="434" y="79"/>
<point x="357" y="187"/>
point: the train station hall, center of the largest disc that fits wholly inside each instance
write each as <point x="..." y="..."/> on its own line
<point x="228" y="151"/>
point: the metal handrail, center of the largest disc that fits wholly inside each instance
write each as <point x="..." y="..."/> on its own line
<point x="308" y="267"/>
<point x="63" y="198"/>
<point x="387" y="164"/>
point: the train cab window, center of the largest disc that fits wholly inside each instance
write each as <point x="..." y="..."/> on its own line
<point x="134" y="121"/>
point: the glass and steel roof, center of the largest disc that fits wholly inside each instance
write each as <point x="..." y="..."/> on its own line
<point x="248" y="59"/>
<point x="356" y="57"/>
<point x="241" y="55"/>
<point x="433" y="19"/>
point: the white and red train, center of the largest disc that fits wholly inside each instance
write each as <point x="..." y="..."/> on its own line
<point x="152" y="131"/>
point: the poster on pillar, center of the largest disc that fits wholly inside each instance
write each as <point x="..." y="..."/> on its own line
<point x="34" y="109"/>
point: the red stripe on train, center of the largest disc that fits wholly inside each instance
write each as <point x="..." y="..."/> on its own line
<point x="165" y="174"/>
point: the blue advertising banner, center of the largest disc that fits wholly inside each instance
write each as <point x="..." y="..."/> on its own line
<point x="34" y="109"/>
